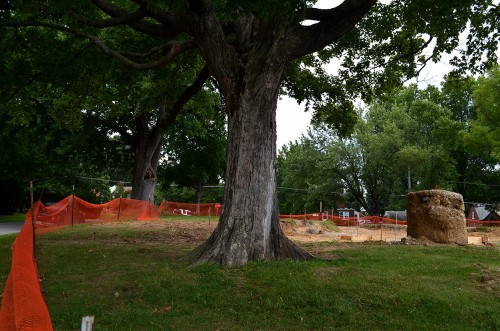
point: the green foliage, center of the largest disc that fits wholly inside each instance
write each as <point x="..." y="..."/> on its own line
<point x="92" y="101"/>
<point x="62" y="71"/>
<point x="388" y="47"/>
<point x="16" y="217"/>
<point x="484" y="134"/>
<point x="196" y="146"/>
<point x="416" y="135"/>
<point x="303" y="184"/>
<point x="189" y="194"/>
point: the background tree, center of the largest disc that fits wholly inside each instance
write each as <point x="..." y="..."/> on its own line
<point x="304" y="183"/>
<point x="482" y="141"/>
<point x="55" y="158"/>
<point x="196" y="148"/>
<point x="408" y="141"/>
<point x="485" y="128"/>
<point x="87" y="89"/>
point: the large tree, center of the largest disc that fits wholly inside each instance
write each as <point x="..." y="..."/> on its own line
<point x="248" y="45"/>
<point x="61" y="67"/>
<point x="196" y="146"/>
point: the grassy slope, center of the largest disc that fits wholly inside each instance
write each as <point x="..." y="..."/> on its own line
<point x="131" y="279"/>
<point x="5" y="257"/>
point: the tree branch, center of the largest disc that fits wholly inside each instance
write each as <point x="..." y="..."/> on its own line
<point x="159" y="30"/>
<point x="333" y="24"/>
<point x="113" y="125"/>
<point x="209" y="34"/>
<point x="159" y="51"/>
<point x="126" y="18"/>
<point x="167" y="118"/>
<point x="174" y="50"/>
<point x="186" y="96"/>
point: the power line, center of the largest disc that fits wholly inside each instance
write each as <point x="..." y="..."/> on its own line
<point x="105" y="180"/>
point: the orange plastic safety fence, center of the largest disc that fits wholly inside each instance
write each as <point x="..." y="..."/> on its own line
<point x="73" y="210"/>
<point x="23" y="307"/>
<point x="476" y="223"/>
<point x="190" y="209"/>
<point x="308" y="217"/>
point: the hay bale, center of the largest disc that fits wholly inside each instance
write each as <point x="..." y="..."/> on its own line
<point x="438" y="215"/>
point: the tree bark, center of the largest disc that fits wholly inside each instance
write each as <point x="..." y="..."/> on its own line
<point x="146" y="159"/>
<point x="249" y="227"/>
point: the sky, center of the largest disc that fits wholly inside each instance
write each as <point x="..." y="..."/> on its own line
<point x="292" y="120"/>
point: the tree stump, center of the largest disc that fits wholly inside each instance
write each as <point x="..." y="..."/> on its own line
<point x="437" y="215"/>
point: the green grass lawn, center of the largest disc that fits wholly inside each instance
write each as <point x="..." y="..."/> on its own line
<point x="6" y="241"/>
<point x="16" y="217"/>
<point x="133" y="277"/>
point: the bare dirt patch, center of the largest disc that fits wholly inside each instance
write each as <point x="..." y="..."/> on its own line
<point x="196" y="232"/>
<point x="492" y="234"/>
<point x="315" y="231"/>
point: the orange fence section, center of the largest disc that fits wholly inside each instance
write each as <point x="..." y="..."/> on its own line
<point x="190" y="209"/>
<point x="73" y="210"/>
<point x="476" y="223"/>
<point x="23" y="307"/>
<point x="361" y="220"/>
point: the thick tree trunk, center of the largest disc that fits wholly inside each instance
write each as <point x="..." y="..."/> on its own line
<point x="144" y="182"/>
<point x="248" y="66"/>
<point x="146" y="160"/>
<point x="249" y="227"/>
<point x="144" y="177"/>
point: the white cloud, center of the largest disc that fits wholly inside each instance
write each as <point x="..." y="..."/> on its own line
<point x="291" y="120"/>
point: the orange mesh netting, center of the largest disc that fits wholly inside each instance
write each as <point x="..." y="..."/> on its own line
<point x="73" y="210"/>
<point x="190" y="209"/>
<point x="23" y="307"/>
<point x="476" y="223"/>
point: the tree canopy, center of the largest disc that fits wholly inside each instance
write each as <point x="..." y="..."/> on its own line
<point x="484" y="133"/>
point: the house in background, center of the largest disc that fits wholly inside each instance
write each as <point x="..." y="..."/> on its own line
<point x="348" y="213"/>
<point x="480" y="213"/>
